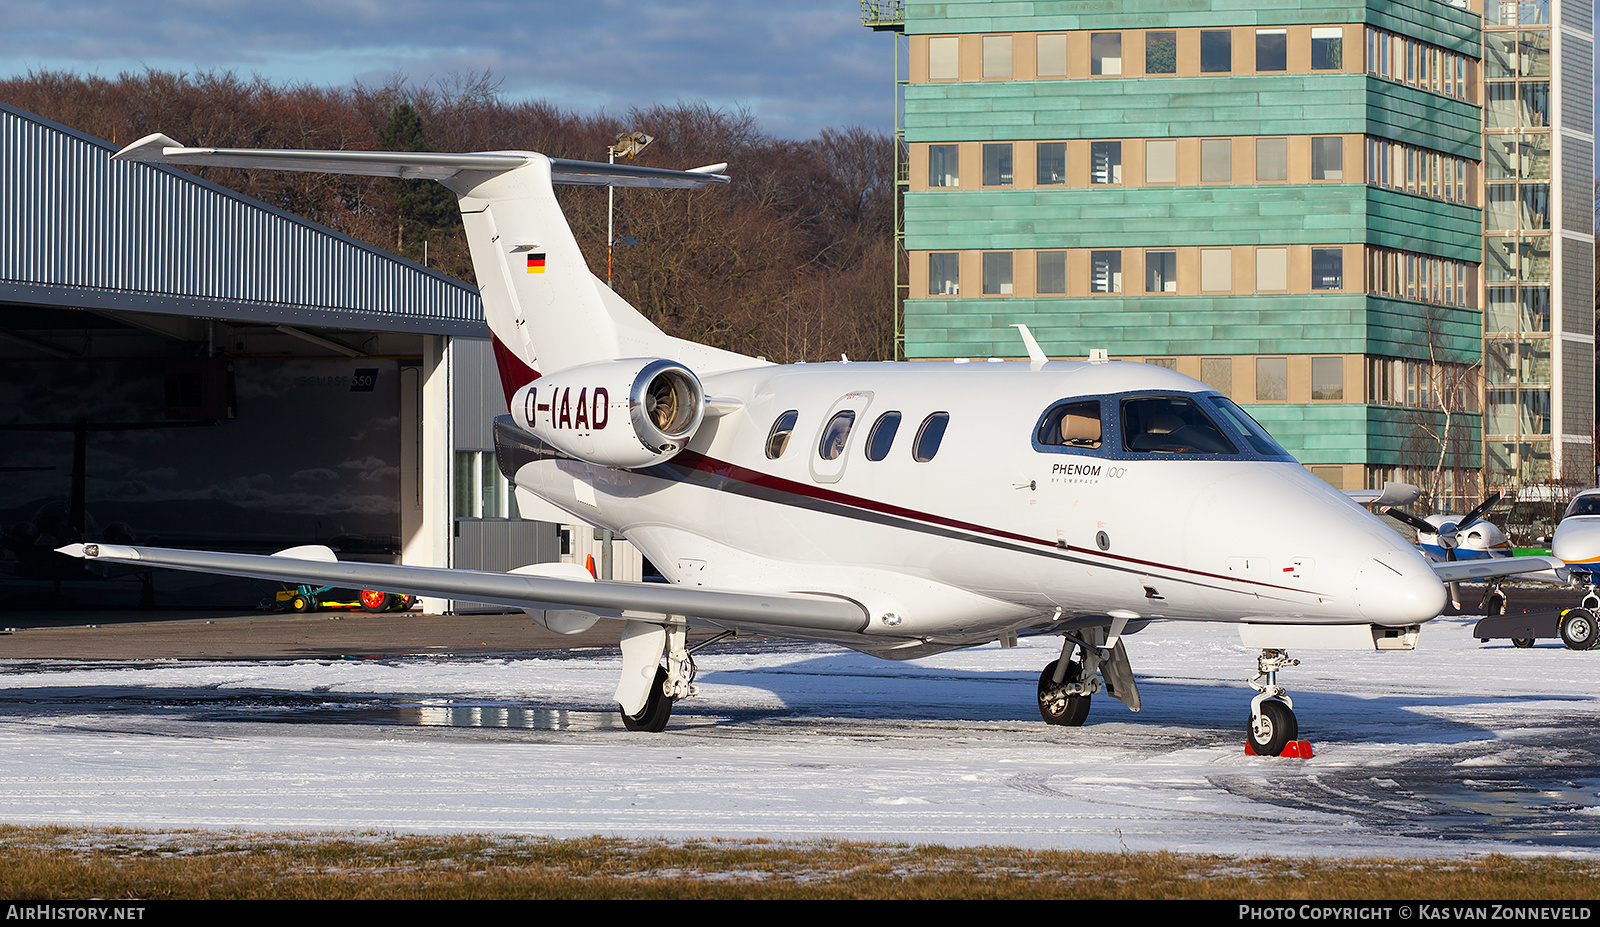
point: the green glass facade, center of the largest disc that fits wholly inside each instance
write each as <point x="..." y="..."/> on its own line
<point x="1066" y="133"/>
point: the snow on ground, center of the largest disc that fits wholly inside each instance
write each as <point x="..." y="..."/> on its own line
<point x="1455" y="749"/>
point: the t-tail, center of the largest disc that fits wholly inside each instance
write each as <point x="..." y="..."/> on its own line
<point x="546" y="311"/>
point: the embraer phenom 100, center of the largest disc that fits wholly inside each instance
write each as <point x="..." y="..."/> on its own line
<point x="899" y="509"/>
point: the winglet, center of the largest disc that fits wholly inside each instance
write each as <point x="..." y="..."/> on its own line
<point x="1036" y="355"/>
<point x="150" y="149"/>
<point x="309" y="552"/>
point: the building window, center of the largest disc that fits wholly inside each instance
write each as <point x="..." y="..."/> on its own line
<point x="1105" y="162"/>
<point x="1105" y="271"/>
<point x="1216" y="52"/>
<point x="944" y="166"/>
<point x="1161" y="161"/>
<point x="1327" y="48"/>
<point x="997" y="273"/>
<point x="1216" y="270"/>
<point x="1327" y="379"/>
<point x="944" y="57"/>
<point x="1051" y="161"/>
<point x="1217" y="373"/>
<point x="1052" y="272"/>
<point x="1168" y="363"/>
<point x="1161" y="271"/>
<point x="1272" y="270"/>
<point x="1105" y="53"/>
<point x="1272" y="160"/>
<point x="997" y="56"/>
<point x="1327" y="158"/>
<point x="1216" y="160"/>
<point x="481" y="490"/>
<point x="997" y="165"/>
<point x="1052" y="61"/>
<point x="1272" y="49"/>
<point x="1272" y="379"/>
<point x="944" y="274"/>
<point x="1327" y="268"/>
<point x="1161" y="53"/>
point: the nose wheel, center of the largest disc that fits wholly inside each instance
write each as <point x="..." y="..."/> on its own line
<point x="1272" y="729"/>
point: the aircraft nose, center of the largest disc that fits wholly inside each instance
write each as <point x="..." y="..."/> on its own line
<point x="1395" y="589"/>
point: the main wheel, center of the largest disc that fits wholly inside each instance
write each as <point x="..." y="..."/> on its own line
<point x="1272" y="729"/>
<point x="1591" y="602"/>
<point x="1494" y="603"/>
<point x="1577" y="628"/>
<point x="1056" y="706"/>
<point x="657" y="708"/>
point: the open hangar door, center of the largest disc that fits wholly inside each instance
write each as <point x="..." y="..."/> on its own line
<point x="180" y="432"/>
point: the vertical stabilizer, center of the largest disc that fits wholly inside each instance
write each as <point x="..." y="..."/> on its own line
<point x="545" y="309"/>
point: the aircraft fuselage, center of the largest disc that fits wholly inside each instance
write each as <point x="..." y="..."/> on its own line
<point x="1004" y="526"/>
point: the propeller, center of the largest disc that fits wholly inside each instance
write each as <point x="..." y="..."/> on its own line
<point x="1449" y="531"/>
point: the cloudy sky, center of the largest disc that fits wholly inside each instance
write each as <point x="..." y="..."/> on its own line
<point x="798" y="67"/>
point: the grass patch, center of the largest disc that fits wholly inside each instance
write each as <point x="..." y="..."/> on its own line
<point x="45" y="863"/>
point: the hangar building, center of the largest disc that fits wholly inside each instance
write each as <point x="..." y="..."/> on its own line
<point x="188" y="367"/>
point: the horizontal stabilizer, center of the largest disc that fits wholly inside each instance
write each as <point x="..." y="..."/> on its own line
<point x="416" y="165"/>
<point x="1468" y="570"/>
<point x="792" y="611"/>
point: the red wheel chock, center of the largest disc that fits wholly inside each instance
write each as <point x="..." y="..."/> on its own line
<point x="1294" y="749"/>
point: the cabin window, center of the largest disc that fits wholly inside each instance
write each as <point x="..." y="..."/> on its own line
<point x="1170" y="425"/>
<point x="1071" y="424"/>
<point x="881" y="437"/>
<point x="929" y="436"/>
<point x="835" y="435"/>
<point x="778" y="437"/>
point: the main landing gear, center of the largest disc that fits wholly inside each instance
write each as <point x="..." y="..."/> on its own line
<point x="1272" y="727"/>
<point x="1089" y="662"/>
<point x="646" y="706"/>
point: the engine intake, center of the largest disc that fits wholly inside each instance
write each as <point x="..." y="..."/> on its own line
<point x="625" y="413"/>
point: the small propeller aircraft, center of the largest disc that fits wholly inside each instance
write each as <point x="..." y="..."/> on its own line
<point x="900" y="509"/>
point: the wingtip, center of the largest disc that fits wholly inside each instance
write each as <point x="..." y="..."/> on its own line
<point x="151" y="149"/>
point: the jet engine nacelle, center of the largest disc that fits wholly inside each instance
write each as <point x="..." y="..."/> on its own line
<point x="623" y="413"/>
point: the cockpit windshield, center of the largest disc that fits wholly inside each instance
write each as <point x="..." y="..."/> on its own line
<point x="1170" y="425"/>
<point x="1585" y="504"/>
<point x="1261" y="442"/>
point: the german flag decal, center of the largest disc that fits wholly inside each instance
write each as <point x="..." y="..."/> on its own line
<point x="535" y="263"/>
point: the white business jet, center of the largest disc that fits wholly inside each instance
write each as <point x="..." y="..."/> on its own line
<point x="900" y="509"/>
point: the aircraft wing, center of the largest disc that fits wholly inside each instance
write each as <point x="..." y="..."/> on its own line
<point x="1468" y="570"/>
<point x="776" y="611"/>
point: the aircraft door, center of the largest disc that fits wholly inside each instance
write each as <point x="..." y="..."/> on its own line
<point x="837" y="436"/>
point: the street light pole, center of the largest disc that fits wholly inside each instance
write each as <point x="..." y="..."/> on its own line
<point x="630" y="144"/>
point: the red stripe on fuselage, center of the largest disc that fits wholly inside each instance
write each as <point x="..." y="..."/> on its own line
<point x="694" y="461"/>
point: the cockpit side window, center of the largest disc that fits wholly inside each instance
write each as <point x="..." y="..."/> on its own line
<point x="778" y="437"/>
<point x="1071" y="424"/>
<point x="1170" y="425"/>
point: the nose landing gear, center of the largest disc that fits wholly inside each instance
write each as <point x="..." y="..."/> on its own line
<point x="1272" y="729"/>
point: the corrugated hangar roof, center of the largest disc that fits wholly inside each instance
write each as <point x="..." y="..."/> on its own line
<point x="78" y="229"/>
